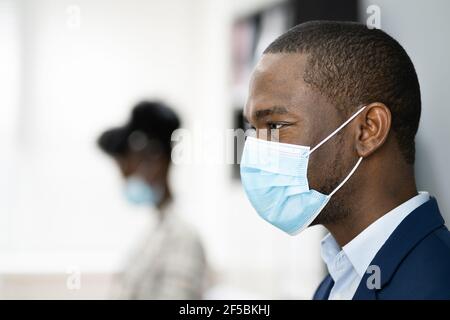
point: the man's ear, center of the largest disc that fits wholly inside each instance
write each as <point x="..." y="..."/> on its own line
<point x="373" y="127"/>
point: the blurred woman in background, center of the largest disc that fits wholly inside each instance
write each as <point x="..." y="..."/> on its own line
<point x="170" y="263"/>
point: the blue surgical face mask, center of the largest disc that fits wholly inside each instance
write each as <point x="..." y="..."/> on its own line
<point x="138" y="192"/>
<point x="274" y="177"/>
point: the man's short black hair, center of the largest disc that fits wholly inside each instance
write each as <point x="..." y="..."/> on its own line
<point x="149" y="128"/>
<point x="353" y="65"/>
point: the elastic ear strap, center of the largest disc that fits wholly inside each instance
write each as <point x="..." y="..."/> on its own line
<point x="337" y="130"/>
<point x="348" y="177"/>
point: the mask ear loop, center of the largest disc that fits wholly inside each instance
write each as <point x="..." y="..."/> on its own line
<point x="337" y="130"/>
<point x="329" y="137"/>
<point x="346" y="178"/>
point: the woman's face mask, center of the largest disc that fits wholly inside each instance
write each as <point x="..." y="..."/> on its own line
<point x="138" y="192"/>
<point x="141" y="185"/>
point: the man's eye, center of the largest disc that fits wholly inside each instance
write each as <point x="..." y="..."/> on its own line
<point x="275" y="126"/>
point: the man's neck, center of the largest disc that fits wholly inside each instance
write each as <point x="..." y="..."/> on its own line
<point x="369" y="208"/>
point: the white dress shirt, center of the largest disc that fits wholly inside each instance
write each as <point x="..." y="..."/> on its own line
<point x="348" y="265"/>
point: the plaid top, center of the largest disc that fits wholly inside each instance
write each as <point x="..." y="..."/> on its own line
<point x="169" y="264"/>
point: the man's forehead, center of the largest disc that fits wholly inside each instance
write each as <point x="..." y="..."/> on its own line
<point x="277" y="81"/>
<point x="278" y="74"/>
<point x="281" y="65"/>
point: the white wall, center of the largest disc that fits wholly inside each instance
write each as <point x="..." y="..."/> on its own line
<point x="9" y="82"/>
<point x="422" y="28"/>
<point x="76" y="83"/>
<point x="65" y="207"/>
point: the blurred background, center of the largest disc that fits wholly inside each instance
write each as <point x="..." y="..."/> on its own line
<point x="70" y="69"/>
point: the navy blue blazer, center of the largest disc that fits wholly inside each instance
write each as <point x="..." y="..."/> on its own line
<point x="414" y="262"/>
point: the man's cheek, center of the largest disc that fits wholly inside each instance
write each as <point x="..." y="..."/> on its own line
<point x="314" y="176"/>
<point x="293" y="136"/>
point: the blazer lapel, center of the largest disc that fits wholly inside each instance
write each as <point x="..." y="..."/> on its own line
<point x="323" y="292"/>
<point x="416" y="226"/>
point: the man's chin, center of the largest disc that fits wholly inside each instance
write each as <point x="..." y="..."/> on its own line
<point x="316" y="222"/>
<point x="328" y="216"/>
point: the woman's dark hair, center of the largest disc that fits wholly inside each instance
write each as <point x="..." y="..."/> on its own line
<point x="151" y="125"/>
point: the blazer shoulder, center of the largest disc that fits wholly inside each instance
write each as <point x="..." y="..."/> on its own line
<point x="432" y="253"/>
<point x="443" y="234"/>
<point x="436" y="246"/>
<point x="425" y="271"/>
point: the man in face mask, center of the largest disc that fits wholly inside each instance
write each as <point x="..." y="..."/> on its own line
<point x="344" y="102"/>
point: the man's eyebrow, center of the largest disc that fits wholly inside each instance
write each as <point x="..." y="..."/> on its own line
<point x="267" y="112"/>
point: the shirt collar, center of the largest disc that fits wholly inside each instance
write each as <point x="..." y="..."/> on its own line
<point x="363" y="248"/>
<point x="329" y="249"/>
<point x="332" y="256"/>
